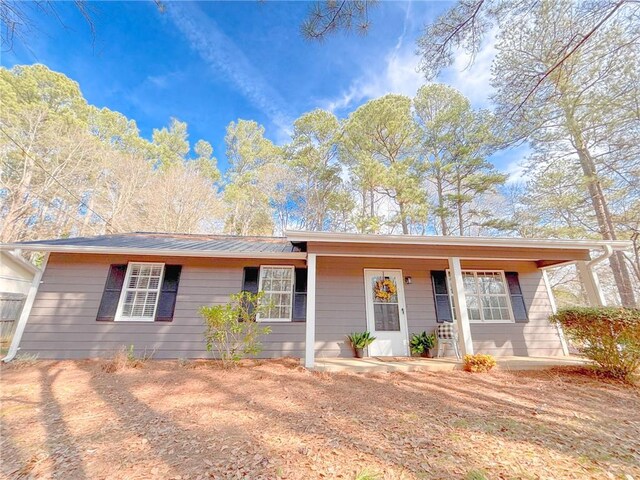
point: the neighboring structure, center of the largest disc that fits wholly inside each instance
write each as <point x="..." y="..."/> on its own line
<point x="100" y="293"/>
<point x="16" y="274"/>
<point x="16" y="277"/>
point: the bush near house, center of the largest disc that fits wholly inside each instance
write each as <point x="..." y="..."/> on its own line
<point x="231" y="329"/>
<point x="479" y="363"/>
<point x="610" y="336"/>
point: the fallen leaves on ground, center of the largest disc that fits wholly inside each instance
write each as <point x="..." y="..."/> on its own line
<point x="274" y="419"/>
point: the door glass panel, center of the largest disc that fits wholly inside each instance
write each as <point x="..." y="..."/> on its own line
<point x="386" y="311"/>
<point x="387" y="317"/>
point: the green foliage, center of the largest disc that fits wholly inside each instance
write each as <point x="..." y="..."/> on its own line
<point x="367" y="474"/>
<point x="476" y="475"/>
<point x="422" y="342"/>
<point x="479" y="363"/>
<point x="360" y="339"/>
<point x="232" y="330"/>
<point x="379" y="148"/>
<point x="455" y="141"/>
<point x="71" y="168"/>
<point x="610" y="336"/>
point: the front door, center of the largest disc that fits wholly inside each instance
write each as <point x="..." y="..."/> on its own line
<point x="386" y="313"/>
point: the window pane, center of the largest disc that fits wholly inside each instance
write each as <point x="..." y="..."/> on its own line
<point x="277" y="286"/>
<point x="142" y="290"/>
<point x="387" y="317"/>
<point x="469" y="282"/>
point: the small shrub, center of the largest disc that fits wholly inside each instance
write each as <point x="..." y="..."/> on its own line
<point x="479" y="363"/>
<point x="360" y="339"/>
<point x="422" y="342"/>
<point x="126" y="358"/>
<point x="609" y="336"/>
<point x="232" y="330"/>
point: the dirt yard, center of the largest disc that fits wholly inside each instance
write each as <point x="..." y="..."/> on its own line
<point x="73" y="420"/>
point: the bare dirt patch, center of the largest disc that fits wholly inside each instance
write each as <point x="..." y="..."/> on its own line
<point x="273" y="419"/>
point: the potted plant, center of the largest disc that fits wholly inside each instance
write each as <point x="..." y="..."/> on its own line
<point x="359" y="341"/>
<point x="422" y="343"/>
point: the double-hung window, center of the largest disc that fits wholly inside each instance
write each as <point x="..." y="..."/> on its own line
<point x="277" y="285"/>
<point x="141" y="291"/>
<point x="487" y="296"/>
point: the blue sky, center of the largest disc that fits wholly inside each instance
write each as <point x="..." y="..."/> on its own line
<point x="209" y="63"/>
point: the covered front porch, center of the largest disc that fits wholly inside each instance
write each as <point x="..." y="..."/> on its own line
<point x="413" y="364"/>
<point x="339" y="280"/>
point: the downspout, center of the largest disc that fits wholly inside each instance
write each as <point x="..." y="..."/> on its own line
<point x="590" y="278"/>
<point x="26" y="311"/>
<point x="608" y="251"/>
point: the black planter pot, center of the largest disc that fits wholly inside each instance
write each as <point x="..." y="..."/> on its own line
<point x="359" y="352"/>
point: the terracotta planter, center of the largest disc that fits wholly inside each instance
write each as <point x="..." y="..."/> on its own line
<point x="359" y="352"/>
<point x="426" y="353"/>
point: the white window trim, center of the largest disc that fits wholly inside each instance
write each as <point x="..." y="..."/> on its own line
<point x="123" y="294"/>
<point x="511" y="318"/>
<point x="293" y="289"/>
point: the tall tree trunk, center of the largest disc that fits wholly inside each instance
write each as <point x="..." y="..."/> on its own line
<point x="403" y="219"/>
<point x="443" y="220"/>
<point x="601" y="209"/>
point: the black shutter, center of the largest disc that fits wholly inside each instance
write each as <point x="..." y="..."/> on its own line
<point x="168" y="293"/>
<point x="111" y="293"/>
<point x="300" y="296"/>
<point x="250" y="283"/>
<point x="517" y="300"/>
<point x="441" y="296"/>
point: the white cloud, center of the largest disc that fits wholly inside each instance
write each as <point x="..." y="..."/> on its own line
<point x="399" y="74"/>
<point x="472" y="78"/>
<point x="226" y="59"/>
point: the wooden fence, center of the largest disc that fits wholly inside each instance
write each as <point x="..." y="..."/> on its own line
<point x="10" y="308"/>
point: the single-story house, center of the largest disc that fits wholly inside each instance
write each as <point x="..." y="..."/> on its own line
<point x="96" y="294"/>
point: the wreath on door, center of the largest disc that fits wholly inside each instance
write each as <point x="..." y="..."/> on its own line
<point x="384" y="290"/>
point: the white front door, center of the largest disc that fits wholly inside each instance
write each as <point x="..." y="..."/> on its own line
<point x="386" y="313"/>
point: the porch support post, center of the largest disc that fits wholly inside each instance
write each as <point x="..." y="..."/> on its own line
<point x="310" y="332"/>
<point x="554" y="309"/>
<point x="460" y="300"/>
<point x="591" y="284"/>
<point x="26" y="311"/>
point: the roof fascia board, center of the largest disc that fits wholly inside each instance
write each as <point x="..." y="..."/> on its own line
<point x="327" y="237"/>
<point x="434" y="257"/>
<point x="155" y="252"/>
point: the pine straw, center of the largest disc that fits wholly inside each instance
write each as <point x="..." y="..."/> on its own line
<point x="273" y="419"/>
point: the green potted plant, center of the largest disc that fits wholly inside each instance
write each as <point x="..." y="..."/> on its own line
<point x="422" y="343"/>
<point x="359" y="341"/>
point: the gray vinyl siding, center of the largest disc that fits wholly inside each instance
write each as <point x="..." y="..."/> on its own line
<point x="63" y="322"/>
<point x="341" y="306"/>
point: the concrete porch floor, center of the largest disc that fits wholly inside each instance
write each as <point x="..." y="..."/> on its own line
<point x="410" y="364"/>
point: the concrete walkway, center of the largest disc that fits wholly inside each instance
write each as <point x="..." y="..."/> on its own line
<point x="410" y="364"/>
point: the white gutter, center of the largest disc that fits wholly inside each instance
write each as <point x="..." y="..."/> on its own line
<point x="26" y="311"/>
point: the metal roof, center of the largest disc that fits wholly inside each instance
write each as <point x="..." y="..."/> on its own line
<point x="141" y="242"/>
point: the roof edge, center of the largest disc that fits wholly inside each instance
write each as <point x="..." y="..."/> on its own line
<point x="300" y="236"/>
<point x="150" y="252"/>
